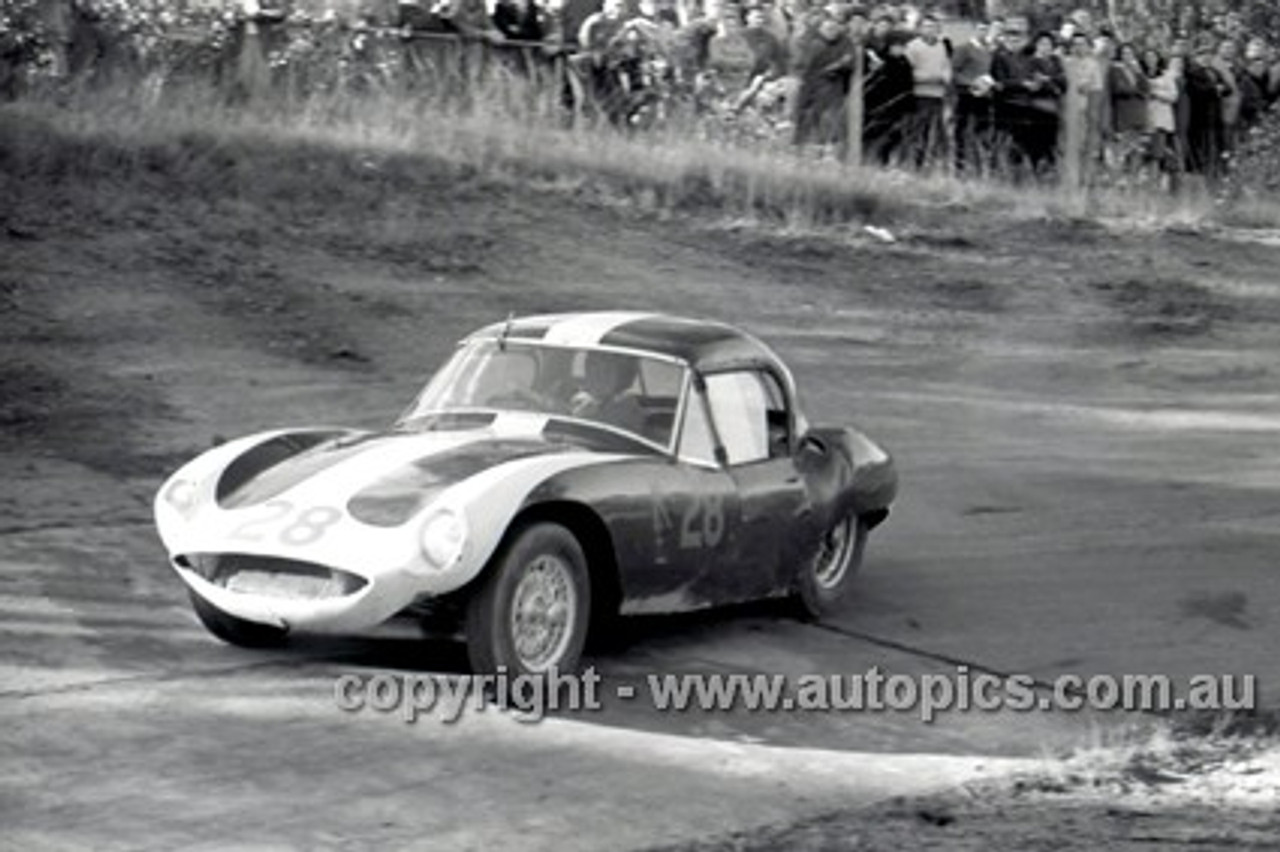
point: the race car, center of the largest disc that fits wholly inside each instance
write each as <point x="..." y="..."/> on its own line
<point x="557" y="471"/>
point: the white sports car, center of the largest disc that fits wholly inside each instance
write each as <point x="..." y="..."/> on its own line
<point x="555" y="467"/>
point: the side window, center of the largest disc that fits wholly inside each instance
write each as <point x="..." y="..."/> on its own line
<point x="696" y="443"/>
<point x="740" y="407"/>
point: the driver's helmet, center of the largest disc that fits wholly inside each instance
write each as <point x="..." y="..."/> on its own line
<point x="607" y="374"/>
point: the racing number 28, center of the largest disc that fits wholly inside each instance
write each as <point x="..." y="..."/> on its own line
<point x="305" y="527"/>
<point x="701" y="523"/>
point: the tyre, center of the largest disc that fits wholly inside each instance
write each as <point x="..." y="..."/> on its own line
<point x="236" y="631"/>
<point x="530" y="614"/>
<point x="825" y="581"/>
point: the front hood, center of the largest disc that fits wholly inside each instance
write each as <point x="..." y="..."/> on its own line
<point x="382" y="479"/>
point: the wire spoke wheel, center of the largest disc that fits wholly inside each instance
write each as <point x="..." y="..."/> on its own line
<point x="542" y="613"/>
<point x="824" y="579"/>
<point x="530" y="613"/>
<point x="832" y="562"/>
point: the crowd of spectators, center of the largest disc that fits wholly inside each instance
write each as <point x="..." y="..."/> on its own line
<point x="1034" y="90"/>
<point x="1071" y="96"/>
<point x="1046" y="93"/>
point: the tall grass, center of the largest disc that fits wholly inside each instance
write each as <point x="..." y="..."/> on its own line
<point x="506" y="129"/>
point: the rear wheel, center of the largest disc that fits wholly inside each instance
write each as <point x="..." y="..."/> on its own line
<point x="825" y="581"/>
<point x="530" y="614"/>
<point x="236" y="631"/>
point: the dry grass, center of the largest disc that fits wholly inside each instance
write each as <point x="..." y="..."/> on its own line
<point x="506" y="134"/>
<point x="1175" y="750"/>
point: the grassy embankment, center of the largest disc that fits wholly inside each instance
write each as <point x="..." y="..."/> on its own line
<point x="193" y="134"/>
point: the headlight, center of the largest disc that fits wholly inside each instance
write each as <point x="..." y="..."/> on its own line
<point x="181" y="495"/>
<point x="442" y="538"/>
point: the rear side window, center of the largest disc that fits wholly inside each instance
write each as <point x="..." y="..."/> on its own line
<point x="740" y="404"/>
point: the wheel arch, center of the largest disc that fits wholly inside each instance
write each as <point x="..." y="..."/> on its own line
<point x="868" y="483"/>
<point x="597" y="546"/>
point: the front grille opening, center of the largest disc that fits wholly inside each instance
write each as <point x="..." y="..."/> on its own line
<point x="272" y="576"/>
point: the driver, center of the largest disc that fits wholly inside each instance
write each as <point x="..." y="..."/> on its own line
<point x="604" y="397"/>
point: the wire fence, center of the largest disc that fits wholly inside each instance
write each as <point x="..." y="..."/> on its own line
<point x="849" y="112"/>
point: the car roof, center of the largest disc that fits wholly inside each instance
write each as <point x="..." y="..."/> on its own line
<point x="703" y="344"/>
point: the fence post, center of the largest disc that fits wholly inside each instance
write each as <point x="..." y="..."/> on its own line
<point x="1076" y="150"/>
<point x="1074" y="105"/>
<point x="854" y="106"/>
<point x="253" y="72"/>
<point x="57" y="18"/>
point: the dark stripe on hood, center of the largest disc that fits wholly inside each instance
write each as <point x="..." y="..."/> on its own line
<point x="395" y="499"/>
<point x="265" y="456"/>
<point x="269" y="469"/>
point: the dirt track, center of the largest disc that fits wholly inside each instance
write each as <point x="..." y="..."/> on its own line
<point x="1085" y="421"/>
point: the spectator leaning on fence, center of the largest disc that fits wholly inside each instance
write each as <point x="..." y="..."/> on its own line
<point x="887" y="103"/>
<point x="595" y="64"/>
<point x="691" y="45"/>
<point x="769" y="61"/>
<point x="1009" y="72"/>
<point x="971" y="74"/>
<point x="930" y="60"/>
<point x="825" y="66"/>
<point x="768" y="52"/>
<point x="467" y="18"/>
<point x="1028" y="88"/>
<point x="597" y="34"/>
<point x="1046" y="101"/>
<point x="653" y="33"/>
<point x="729" y="55"/>
<point x="519" y="20"/>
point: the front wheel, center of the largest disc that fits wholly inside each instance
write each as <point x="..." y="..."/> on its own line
<point x="530" y="614"/>
<point x="825" y="580"/>
<point x="233" y="630"/>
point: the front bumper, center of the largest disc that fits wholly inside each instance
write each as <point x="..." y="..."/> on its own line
<point x="293" y="595"/>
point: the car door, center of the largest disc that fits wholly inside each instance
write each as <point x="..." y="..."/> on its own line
<point x="750" y="415"/>
<point x="690" y="525"/>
